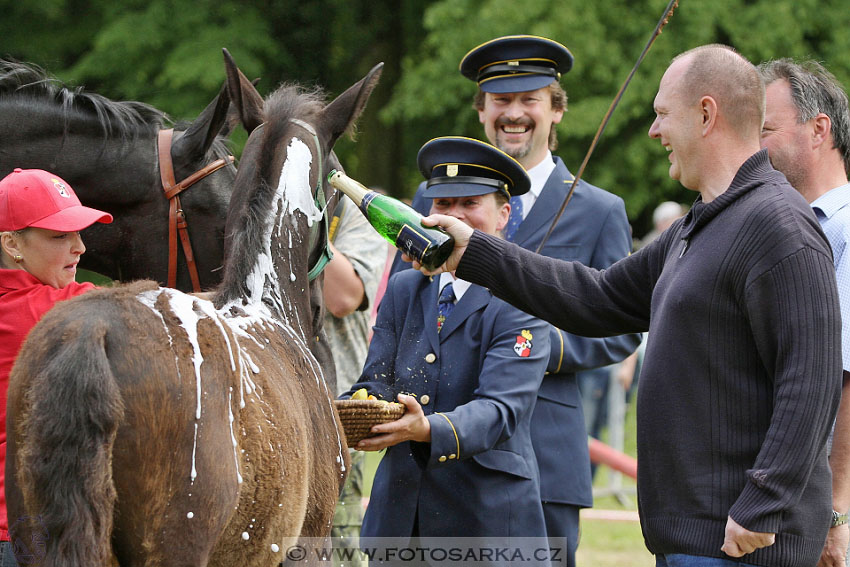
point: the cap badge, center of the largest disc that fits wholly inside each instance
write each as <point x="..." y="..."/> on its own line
<point x="60" y="188"/>
<point x="451" y="170"/>
<point x="513" y="63"/>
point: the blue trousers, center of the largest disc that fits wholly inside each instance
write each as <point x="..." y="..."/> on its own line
<point x="562" y="521"/>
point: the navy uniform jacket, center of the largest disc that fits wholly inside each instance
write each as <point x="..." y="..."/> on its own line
<point x="593" y="230"/>
<point x="477" y="477"/>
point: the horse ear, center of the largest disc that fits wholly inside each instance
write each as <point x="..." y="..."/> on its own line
<point x="347" y="107"/>
<point x="233" y="117"/>
<point x="199" y="136"/>
<point x="246" y="100"/>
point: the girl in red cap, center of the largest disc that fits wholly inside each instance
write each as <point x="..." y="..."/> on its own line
<point x="40" y="220"/>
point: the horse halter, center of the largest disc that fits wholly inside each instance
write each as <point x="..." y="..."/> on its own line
<point x="321" y="204"/>
<point x="176" y="217"/>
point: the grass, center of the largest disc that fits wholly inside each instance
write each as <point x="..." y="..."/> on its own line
<point x="613" y="543"/>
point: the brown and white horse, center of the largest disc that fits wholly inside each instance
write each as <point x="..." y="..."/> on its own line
<point x="150" y="427"/>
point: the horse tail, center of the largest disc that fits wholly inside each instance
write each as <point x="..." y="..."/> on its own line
<point x="73" y="410"/>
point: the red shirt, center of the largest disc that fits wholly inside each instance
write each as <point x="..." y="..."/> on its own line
<point x="23" y="301"/>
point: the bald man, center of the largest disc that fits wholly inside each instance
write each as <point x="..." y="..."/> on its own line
<point x="742" y="373"/>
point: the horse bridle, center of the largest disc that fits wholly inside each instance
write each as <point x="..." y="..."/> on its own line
<point x="176" y="217"/>
<point x="322" y="204"/>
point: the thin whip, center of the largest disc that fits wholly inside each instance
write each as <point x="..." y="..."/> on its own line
<point x="661" y="23"/>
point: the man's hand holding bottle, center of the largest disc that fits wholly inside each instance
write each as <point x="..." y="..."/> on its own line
<point x="459" y="230"/>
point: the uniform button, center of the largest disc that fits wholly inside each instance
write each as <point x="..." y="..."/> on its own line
<point x="425" y="399"/>
<point x="430" y="357"/>
<point x="442" y="459"/>
<point x="452" y="456"/>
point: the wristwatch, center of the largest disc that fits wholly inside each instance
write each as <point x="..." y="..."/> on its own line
<point x="838" y="519"/>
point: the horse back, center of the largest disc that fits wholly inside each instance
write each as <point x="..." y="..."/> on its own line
<point x="202" y="433"/>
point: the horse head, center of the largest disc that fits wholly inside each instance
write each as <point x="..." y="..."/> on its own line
<point x="281" y="185"/>
<point x="106" y="150"/>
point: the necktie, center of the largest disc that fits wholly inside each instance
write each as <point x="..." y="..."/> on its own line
<point x="445" y="305"/>
<point x="515" y="219"/>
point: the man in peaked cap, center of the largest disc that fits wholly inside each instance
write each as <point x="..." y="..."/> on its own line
<point x="467" y="366"/>
<point x="519" y="103"/>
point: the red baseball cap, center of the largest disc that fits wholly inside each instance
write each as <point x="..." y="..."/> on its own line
<point x="36" y="198"/>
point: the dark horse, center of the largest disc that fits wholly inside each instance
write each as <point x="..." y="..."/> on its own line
<point x="168" y="430"/>
<point x="107" y="151"/>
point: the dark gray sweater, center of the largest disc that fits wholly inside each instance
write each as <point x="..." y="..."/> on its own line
<point x="742" y="374"/>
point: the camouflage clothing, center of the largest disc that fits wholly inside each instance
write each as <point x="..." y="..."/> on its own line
<point x="354" y="237"/>
<point x="348" y="515"/>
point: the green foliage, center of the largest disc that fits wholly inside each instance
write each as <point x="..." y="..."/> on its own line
<point x="606" y="39"/>
<point x="168" y="53"/>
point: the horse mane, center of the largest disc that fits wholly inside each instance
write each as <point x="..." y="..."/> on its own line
<point x="287" y="102"/>
<point x="32" y="85"/>
<point x="125" y="120"/>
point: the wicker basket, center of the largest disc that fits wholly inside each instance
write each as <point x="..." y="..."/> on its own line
<point x="358" y="416"/>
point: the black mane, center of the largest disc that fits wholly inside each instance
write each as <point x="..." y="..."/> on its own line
<point x="29" y="84"/>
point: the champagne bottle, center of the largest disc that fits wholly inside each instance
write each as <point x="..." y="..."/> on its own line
<point x="397" y="223"/>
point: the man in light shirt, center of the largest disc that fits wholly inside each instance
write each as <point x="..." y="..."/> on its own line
<point x="807" y="136"/>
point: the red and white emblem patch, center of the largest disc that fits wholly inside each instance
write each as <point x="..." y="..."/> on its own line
<point x="523" y="344"/>
<point x="60" y="188"/>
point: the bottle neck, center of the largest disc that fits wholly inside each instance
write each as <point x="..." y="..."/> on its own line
<point x="354" y="190"/>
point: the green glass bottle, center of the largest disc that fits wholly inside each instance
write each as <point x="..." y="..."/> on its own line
<point x="397" y="223"/>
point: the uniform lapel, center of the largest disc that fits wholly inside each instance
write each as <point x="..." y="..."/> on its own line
<point x="428" y="297"/>
<point x="475" y="298"/>
<point x="547" y="204"/>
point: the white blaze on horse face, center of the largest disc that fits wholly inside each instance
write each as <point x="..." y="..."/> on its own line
<point x="294" y="183"/>
<point x="293" y="193"/>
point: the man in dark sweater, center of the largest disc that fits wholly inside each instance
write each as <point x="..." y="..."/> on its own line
<point x="742" y="372"/>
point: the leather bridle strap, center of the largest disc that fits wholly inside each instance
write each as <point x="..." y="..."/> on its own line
<point x="176" y="218"/>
